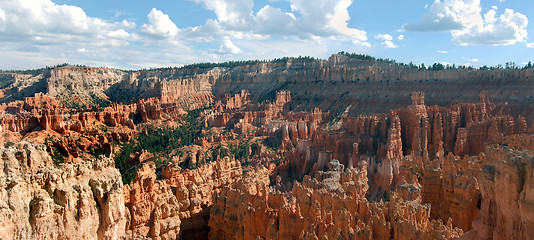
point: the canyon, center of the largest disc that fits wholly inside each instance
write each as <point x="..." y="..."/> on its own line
<point x="296" y="148"/>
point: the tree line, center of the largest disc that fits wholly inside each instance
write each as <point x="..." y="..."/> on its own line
<point x="437" y="66"/>
<point x="231" y="64"/>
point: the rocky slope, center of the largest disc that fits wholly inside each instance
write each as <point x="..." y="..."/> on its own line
<point x="366" y="86"/>
<point x="178" y="204"/>
<point x="253" y="165"/>
<point x="332" y="205"/>
<point x="506" y="184"/>
<point x="418" y="154"/>
<point x="72" y="201"/>
<point x="373" y="87"/>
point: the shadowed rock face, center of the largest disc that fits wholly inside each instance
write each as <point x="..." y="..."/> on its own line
<point x="331" y="205"/>
<point x="367" y="86"/>
<point x="263" y="169"/>
<point x="374" y="87"/>
<point x="506" y="207"/>
<point x="177" y="205"/>
<point x="411" y="156"/>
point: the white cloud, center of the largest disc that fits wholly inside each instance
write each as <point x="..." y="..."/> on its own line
<point x="31" y="29"/>
<point x="119" y="34"/>
<point x="473" y="60"/>
<point x="389" y="44"/>
<point x="22" y="18"/>
<point x="468" y="26"/>
<point x="385" y="37"/>
<point x="363" y="44"/>
<point x="388" y="40"/>
<point x="2" y="15"/>
<point x="441" y="51"/>
<point x="271" y="20"/>
<point x="38" y="33"/>
<point x="447" y="15"/>
<point x="530" y="45"/>
<point x="400" y="37"/>
<point x="227" y="47"/>
<point x="234" y="12"/>
<point x="160" y="25"/>
<point x="128" y="24"/>
<point x="308" y="19"/>
<point x="279" y="47"/>
<point x="509" y="29"/>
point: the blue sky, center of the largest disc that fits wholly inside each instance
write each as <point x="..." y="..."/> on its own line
<point x="142" y="34"/>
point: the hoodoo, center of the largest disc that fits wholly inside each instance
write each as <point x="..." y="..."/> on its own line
<point x="296" y="148"/>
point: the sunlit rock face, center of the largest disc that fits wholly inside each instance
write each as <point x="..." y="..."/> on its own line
<point x="72" y="201"/>
<point x="292" y="149"/>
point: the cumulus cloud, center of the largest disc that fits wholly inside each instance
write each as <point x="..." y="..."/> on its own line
<point x="388" y="40"/>
<point x="326" y="18"/>
<point x="530" y="45"/>
<point x="37" y="33"/>
<point x="127" y="24"/>
<point x="160" y="25"/>
<point x="441" y="51"/>
<point x="385" y="37"/>
<point x="44" y="19"/>
<point x="34" y="28"/>
<point x="508" y="29"/>
<point x="400" y="37"/>
<point x="270" y="20"/>
<point x="469" y="26"/>
<point x="233" y="12"/>
<point x="447" y="15"/>
<point x="40" y="31"/>
<point x="227" y="47"/>
<point x="309" y="19"/>
<point x="389" y="44"/>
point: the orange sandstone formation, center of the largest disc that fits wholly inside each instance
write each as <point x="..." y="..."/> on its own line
<point x="506" y="183"/>
<point x="179" y="203"/>
<point x="270" y="163"/>
<point x="331" y="205"/>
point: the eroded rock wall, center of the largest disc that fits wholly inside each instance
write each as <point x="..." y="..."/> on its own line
<point x="507" y="187"/>
<point x="72" y="201"/>
<point x="179" y="204"/>
<point x="366" y="86"/>
<point x="330" y="205"/>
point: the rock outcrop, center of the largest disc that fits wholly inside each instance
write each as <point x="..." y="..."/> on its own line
<point x="281" y="151"/>
<point x="506" y="204"/>
<point x="331" y="205"/>
<point x="367" y="86"/>
<point x="72" y="201"/>
<point x="179" y="204"/>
